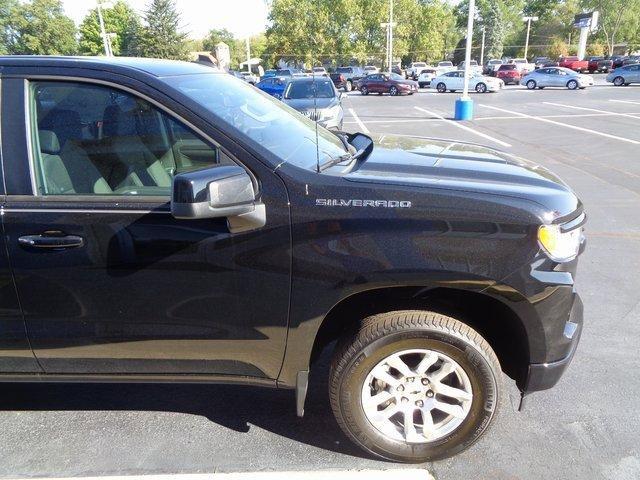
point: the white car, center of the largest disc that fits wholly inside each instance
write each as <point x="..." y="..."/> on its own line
<point x="318" y="71"/>
<point x="444" y="67"/>
<point x="523" y="65"/>
<point x="453" y="81"/>
<point x="474" y="68"/>
<point x="425" y="76"/>
<point x="414" y="69"/>
<point x="369" y="69"/>
<point x="492" y="66"/>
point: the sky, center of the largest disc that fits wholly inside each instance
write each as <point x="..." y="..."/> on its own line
<point x="242" y="17"/>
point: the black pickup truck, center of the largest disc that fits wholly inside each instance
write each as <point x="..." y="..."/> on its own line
<point x="164" y="222"/>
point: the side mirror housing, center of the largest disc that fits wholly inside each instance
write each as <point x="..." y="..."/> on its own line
<point x="212" y="193"/>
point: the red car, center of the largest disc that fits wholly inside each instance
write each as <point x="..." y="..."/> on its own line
<point x="574" y="63"/>
<point x="390" y="83"/>
<point x="509" y="73"/>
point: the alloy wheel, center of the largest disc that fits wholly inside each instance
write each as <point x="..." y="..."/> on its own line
<point x="417" y="396"/>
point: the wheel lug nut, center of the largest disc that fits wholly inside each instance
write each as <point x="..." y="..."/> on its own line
<point x="430" y="394"/>
<point x="425" y="381"/>
<point x="400" y="388"/>
<point x="419" y="403"/>
<point x="404" y="400"/>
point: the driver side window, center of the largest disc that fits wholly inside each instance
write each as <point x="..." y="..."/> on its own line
<point x="96" y="140"/>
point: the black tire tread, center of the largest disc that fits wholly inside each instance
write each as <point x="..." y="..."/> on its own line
<point x="380" y="325"/>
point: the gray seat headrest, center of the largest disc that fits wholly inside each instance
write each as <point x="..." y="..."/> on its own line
<point x="49" y="142"/>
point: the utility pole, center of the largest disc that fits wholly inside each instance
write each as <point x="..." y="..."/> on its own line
<point x="464" y="105"/>
<point x="526" y="44"/>
<point x="389" y="26"/>
<point x="248" y="56"/>
<point x="103" y="32"/>
<point x="482" y="47"/>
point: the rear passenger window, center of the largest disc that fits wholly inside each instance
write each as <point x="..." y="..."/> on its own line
<point x="96" y="140"/>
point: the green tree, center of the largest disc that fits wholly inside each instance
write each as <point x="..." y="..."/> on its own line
<point x="40" y="27"/>
<point x="494" y="25"/>
<point x="216" y="36"/>
<point x="120" y="19"/>
<point x="619" y="20"/>
<point x="161" y="35"/>
<point x="7" y="12"/>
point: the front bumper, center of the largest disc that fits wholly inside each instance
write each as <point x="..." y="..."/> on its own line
<point x="542" y="376"/>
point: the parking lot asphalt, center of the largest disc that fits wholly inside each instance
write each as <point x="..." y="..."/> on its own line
<point x="587" y="427"/>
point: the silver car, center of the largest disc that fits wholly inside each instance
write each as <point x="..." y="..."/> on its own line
<point x="556" y="77"/>
<point x="625" y="75"/>
<point x="316" y="98"/>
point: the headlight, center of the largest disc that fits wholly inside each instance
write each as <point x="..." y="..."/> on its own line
<point x="560" y="246"/>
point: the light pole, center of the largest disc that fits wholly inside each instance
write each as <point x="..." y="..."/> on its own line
<point x="482" y="47"/>
<point x="248" y="55"/>
<point x="389" y="26"/>
<point x="526" y="44"/>
<point x="464" y="105"/>
<point x="103" y="32"/>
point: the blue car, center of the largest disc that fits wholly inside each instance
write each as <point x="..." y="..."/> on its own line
<point x="273" y="86"/>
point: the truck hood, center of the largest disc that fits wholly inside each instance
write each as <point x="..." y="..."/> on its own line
<point x="430" y="163"/>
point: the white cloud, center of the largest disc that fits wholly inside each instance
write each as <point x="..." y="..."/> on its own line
<point x="242" y="17"/>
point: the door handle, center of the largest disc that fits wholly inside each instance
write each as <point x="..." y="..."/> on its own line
<point x="52" y="240"/>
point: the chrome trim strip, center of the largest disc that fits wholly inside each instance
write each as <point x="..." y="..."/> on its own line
<point x="30" y="138"/>
<point x="4" y="210"/>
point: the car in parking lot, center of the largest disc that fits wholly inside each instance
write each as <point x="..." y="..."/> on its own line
<point x="509" y="73"/>
<point x="573" y="63"/>
<point x="492" y="66"/>
<point x="453" y="81"/>
<point x="631" y="59"/>
<point x="369" y="69"/>
<point x="351" y="75"/>
<point x="599" y="64"/>
<point x="414" y="69"/>
<point x="165" y="222"/>
<point x="316" y="98"/>
<point x="390" y="83"/>
<point x="319" y="71"/>
<point x="274" y="86"/>
<point x="540" y="62"/>
<point x="556" y="77"/>
<point x="625" y="75"/>
<point x="473" y="67"/>
<point x="445" y="66"/>
<point x="425" y="76"/>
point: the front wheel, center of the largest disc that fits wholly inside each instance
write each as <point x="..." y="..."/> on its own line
<point x="393" y="91"/>
<point x="348" y="86"/>
<point x="414" y="386"/>
<point x="364" y="90"/>
<point x="481" y="88"/>
<point x="572" y="84"/>
<point x="441" y="87"/>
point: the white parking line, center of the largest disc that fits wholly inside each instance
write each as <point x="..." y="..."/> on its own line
<point x="464" y="127"/>
<point x="592" y="110"/>
<point x="560" y="124"/>
<point x="625" y="101"/>
<point x="362" y="126"/>
<point x="412" y="474"/>
<point x="412" y="120"/>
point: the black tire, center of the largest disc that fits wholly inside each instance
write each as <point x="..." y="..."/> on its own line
<point x="572" y="84"/>
<point x="385" y="334"/>
<point x="531" y="84"/>
<point x="422" y="85"/>
<point x="481" y="88"/>
<point x="618" y="81"/>
<point x="541" y="88"/>
<point x="364" y="90"/>
<point x="393" y="91"/>
<point x="348" y="86"/>
<point x="441" y="87"/>
<point x="452" y="91"/>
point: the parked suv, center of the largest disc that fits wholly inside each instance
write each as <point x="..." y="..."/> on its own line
<point x="350" y="75"/>
<point x="165" y="222"/>
<point x="509" y="73"/>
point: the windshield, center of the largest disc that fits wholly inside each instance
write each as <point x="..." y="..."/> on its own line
<point x="310" y="89"/>
<point x="395" y="76"/>
<point x="266" y="123"/>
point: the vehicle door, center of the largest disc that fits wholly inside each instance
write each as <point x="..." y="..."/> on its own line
<point x="552" y="77"/>
<point x="373" y="82"/>
<point x="16" y="356"/>
<point x="109" y="281"/>
<point x="634" y="73"/>
<point x="455" y="80"/>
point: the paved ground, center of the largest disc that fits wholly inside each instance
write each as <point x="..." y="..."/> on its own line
<point x="586" y="428"/>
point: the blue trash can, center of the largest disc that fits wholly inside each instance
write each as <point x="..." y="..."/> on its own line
<point x="464" y="109"/>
